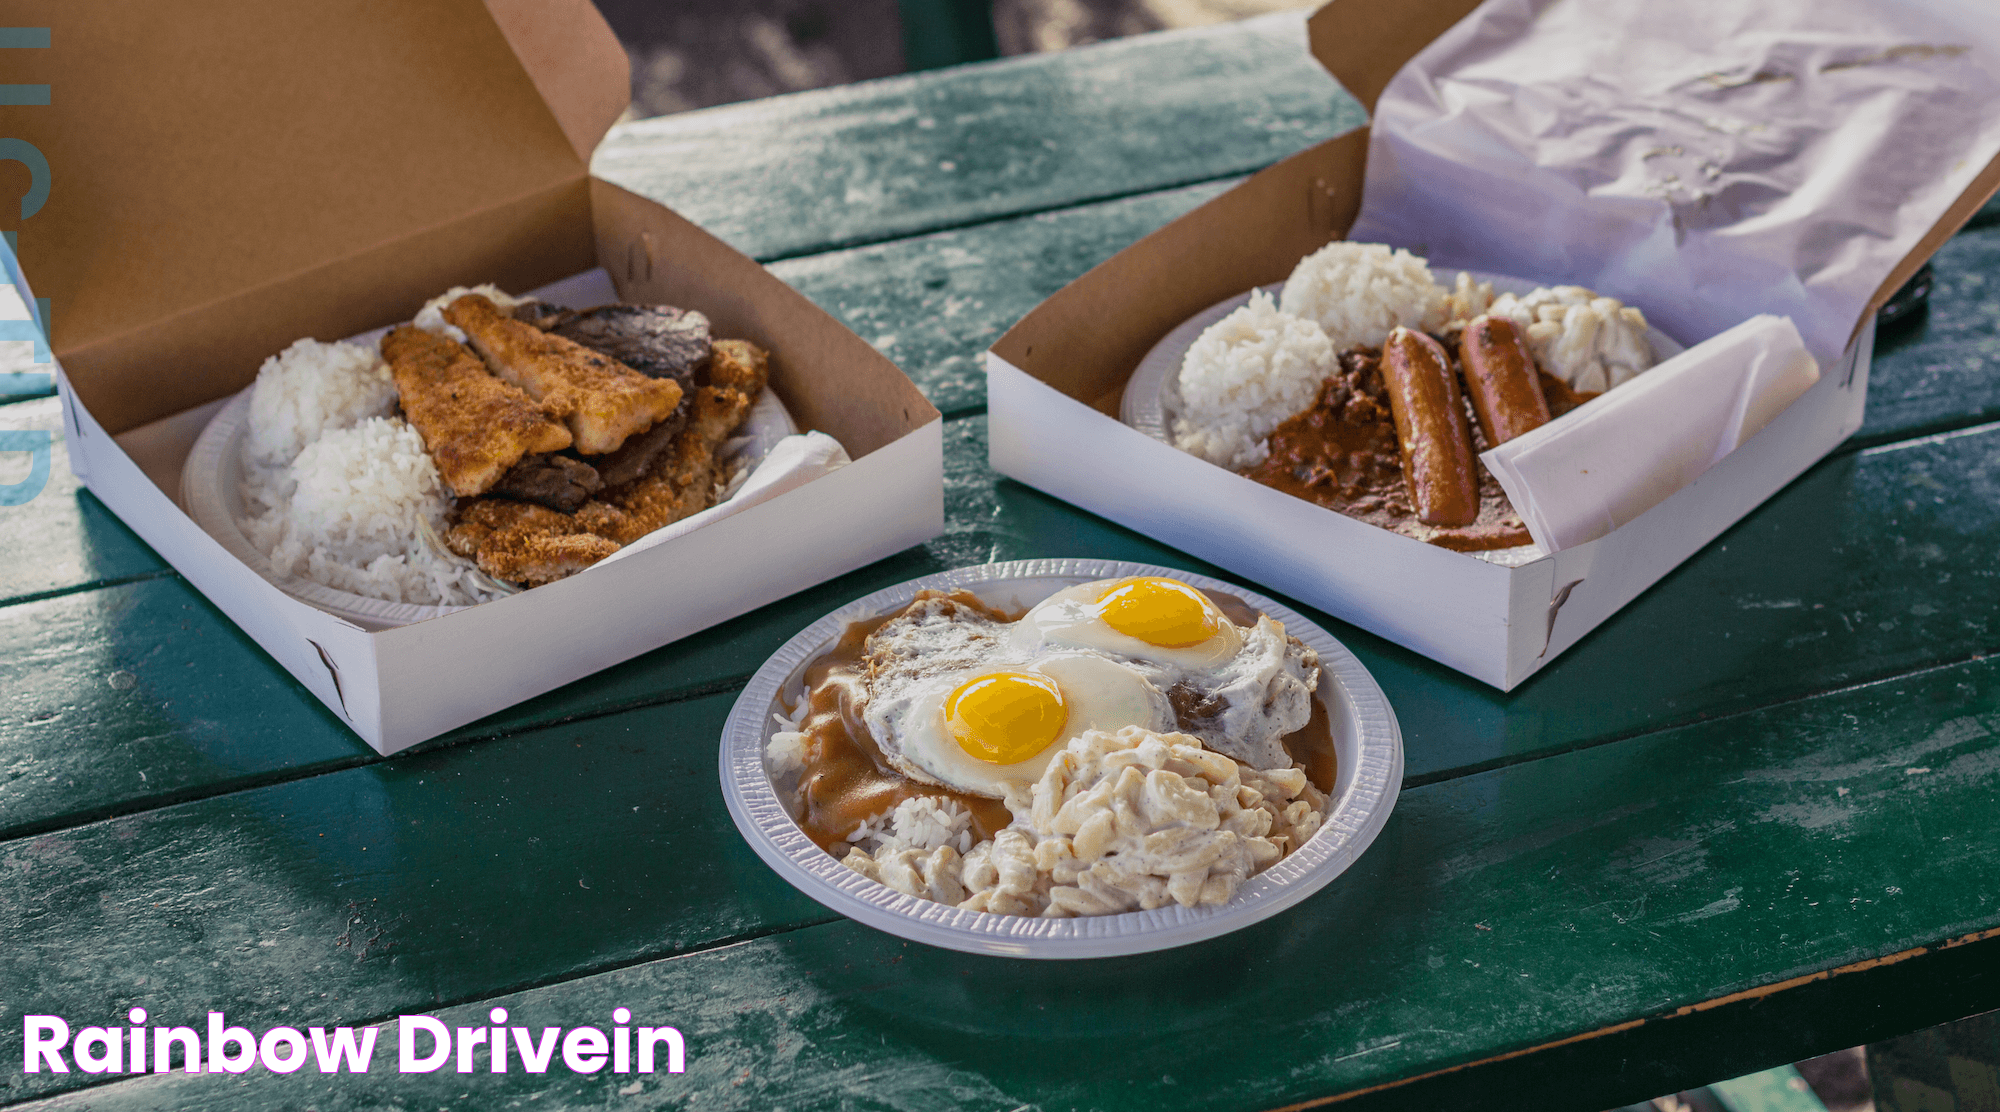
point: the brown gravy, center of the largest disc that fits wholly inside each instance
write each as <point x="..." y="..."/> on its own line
<point x="1342" y="454"/>
<point x="847" y="780"/>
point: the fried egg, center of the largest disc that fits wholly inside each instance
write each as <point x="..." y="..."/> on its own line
<point x="1240" y="689"/>
<point x="986" y="729"/>
<point x="960" y="697"/>
<point x="1150" y="618"/>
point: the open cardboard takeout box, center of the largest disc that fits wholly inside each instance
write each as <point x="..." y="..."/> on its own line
<point x="1055" y="382"/>
<point x="236" y="175"/>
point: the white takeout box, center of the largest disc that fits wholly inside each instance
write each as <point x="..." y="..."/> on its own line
<point x="1054" y="383"/>
<point x="232" y="177"/>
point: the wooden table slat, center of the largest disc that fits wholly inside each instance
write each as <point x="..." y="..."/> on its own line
<point x="1942" y="370"/>
<point x="794" y="175"/>
<point x="62" y="539"/>
<point x="137" y="695"/>
<point x="935" y="303"/>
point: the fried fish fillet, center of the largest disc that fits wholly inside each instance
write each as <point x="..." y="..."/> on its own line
<point x="475" y="425"/>
<point x="605" y="401"/>
<point x="531" y="545"/>
<point x="524" y="543"/>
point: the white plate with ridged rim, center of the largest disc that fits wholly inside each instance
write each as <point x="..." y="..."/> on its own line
<point x="1368" y="746"/>
<point x="212" y="476"/>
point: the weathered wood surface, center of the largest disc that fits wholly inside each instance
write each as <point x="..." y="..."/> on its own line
<point x="1698" y="800"/>
<point x="798" y="174"/>
<point x="1559" y="898"/>
<point x="958" y="290"/>
<point x="1943" y="370"/>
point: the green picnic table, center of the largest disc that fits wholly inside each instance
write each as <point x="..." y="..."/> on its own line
<point x="1749" y="819"/>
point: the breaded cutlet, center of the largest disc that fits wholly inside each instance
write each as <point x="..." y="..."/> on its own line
<point x="523" y="543"/>
<point x="531" y="544"/>
<point x="605" y="400"/>
<point x="475" y="426"/>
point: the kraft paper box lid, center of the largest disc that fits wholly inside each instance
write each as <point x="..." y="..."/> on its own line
<point x="225" y="177"/>
<point x="202" y="154"/>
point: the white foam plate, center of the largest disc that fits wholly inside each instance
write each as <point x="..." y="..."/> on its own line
<point x="212" y="485"/>
<point x="1152" y="396"/>
<point x="1367" y="743"/>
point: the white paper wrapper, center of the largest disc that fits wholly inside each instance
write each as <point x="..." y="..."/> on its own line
<point x="1704" y="161"/>
<point x="1576" y="481"/>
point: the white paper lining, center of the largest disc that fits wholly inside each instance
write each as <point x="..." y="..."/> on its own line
<point x="1706" y="161"/>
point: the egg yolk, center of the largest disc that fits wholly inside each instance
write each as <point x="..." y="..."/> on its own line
<point x="1005" y="717"/>
<point x="1163" y="612"/>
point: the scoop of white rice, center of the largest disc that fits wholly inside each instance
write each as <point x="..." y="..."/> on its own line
<point x="430" y="318"/>
<point x="311" y="387"/>
<point x="363" y="488"/>
<point x="922" y="823"/>
<point x="345" y="514"/>
<point x="1243" y="376"/>
<point x="1360" y="292"/>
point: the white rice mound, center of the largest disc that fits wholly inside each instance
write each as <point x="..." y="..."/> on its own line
<point x="310" y="387"/>
<point x="1360" y="292"/>
<point x="345" y="515"/>
<point x="430" y="318"/>
<point x="1243" y="377"/>
<point x="334" y="486"/>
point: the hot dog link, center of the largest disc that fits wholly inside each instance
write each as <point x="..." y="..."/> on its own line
<point x="1500" y="375"/>
<point x="1430" y="428"/>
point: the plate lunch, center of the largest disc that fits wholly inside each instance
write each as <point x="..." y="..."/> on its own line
<point x="212" y="478"/>
<point x="1367" y="742"/>
<point x="1151" y="401"/>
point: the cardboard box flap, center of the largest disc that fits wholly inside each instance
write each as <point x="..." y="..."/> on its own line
<point x="199" y="151"/>
<point x="1364" y="42"/>
<point x="575" y="62"/>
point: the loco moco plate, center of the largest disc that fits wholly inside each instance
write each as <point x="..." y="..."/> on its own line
<point x="1367" y="742"/>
